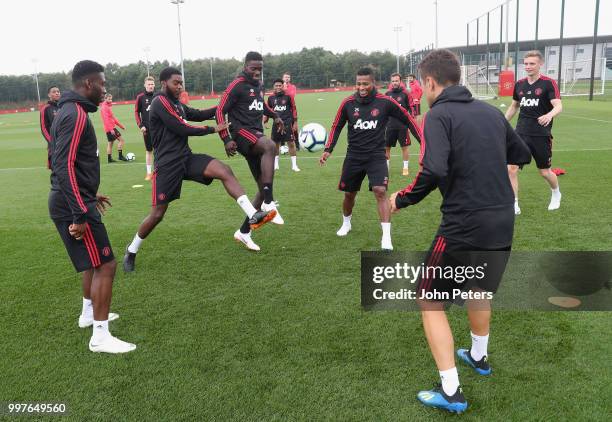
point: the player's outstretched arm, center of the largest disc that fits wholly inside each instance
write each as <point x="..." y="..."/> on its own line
<point x="195" y="115"/>
<point x="45" y="124"/>
<point x="336" y="128"/>
<point x="402" y="114"/>
<point x="434" y="164"/>
<point x="162" y="108"/>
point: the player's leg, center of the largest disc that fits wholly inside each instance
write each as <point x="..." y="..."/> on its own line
<point x="353" y="173"/>
<point x="389" y="143"/>
<point x="405" y="153"/>
<point x="347" y="213"/>
<point x="265" y="148"/>
<point x="513" y="172"/>
<point x="291" y="143"/>
<point x="109" y="148"/>
<point x="120" y="144"/>
<point x="388" y="155"/>
<point x="277" y="156"/>
<point x="86" y="317"/>
<point x="384" y="213"/>
<point x="155" y="216"/>
<point x="543" y="157"/>
<point x="479" y="315"/>
<point x="148" y="154"/>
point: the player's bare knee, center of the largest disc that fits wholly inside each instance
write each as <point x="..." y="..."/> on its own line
<point x="379" y="192"/>
<point x="108" y="268"/>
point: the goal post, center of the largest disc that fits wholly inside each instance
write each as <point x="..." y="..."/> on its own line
<point x="576" y="77"/>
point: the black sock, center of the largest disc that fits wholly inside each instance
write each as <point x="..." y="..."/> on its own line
<point x="120" y="153"/>
<point x="267" y="193"/>
<point x="246" y="227"/>
<point x="110" y="157"/>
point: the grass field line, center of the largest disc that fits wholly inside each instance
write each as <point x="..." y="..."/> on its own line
<point x="313" y="157"/>
<point x="575" y="116"/>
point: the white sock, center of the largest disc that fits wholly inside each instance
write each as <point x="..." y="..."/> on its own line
<point x="87" y="310"/>
<point x="388" y="163"/>
<point x="516" y="200"/>
<point x="246" y="206"/>
<point x="100" y="330"/>
<point x="479" y="346"/>
<point x="346" y="219"/>
<point x="133" y="248"/>
<point x="276" y="161"/>
<point x="450" y="380"/>
<point x="149" y="169"/>
<point x="406" y="164"/>
<point x="386" y="229"/>
<point x="556" y="192"/>
<point x="294" y="161"/>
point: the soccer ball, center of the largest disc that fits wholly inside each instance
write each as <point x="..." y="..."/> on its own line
<point x="130" y="156"/>
<point x="313" y="137"/>
<point x="284" y="149"/>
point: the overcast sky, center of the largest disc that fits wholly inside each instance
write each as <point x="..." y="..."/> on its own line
<point x="59" y="33"/>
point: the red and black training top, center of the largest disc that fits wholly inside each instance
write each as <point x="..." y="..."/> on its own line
<point x="170" y="131"/>
<point x="284" y="106"/>
<point x="142" y="107"/>
<point x="404" y="99"/>
<point x="75" y="166"/>
<point x="367" y="118"/>
<point x="47" y="114"/>
<point x="535" y="101"/>
<point x="243" y="103"/>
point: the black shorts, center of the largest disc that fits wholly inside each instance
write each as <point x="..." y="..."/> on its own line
<point x="147" y="141"/>
<point x="112" y="135"/>
<point x="245" y="139"/>
<point x="279" y="137"/>
<point x="415" y="109"/>
<point x="541" y="149"/>
<point x="447" y="268"/>
<point x="393" y="135"/>
<point x="355" y="169"/>
<point x="167" y="181"/>
<point x="91" y="251"/>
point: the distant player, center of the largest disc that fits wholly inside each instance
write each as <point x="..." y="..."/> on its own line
<point x="367" y="113"/>
<point x="174" y="161"/>
<point x="110" y="127"/>
<point x="75" y="205"/>
<point x="141" y="112"/>
<point x="285" y="107"/>
<point x="245" y="107"/>
<point x="416" y="92"/>
<point x="291" y="90"/>
<point x="47" y="114"/>
<point x="395" y="131"/>
<point x="539" y="101"/>
<point x="464" y="152"/>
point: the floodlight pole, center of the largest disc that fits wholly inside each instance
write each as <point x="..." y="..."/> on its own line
<point x="260" y="40"/>
<point x="506" y="54"/>
<point x="212" y="81"/>
<point x="594" y="56"/>
<point x="436" y="21"/>
<point x="397" y="30"/>
<point x="178" y="15"/>
<point x="146" y="51"/>
<point x="36" y="79"/>
<point x="561" y="44"/>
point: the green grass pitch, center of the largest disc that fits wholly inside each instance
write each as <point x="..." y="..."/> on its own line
<point x="225" y="334"/>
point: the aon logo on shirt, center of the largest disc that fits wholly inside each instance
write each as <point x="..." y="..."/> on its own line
<point x="530" y="102"/>
<point x="365" y="124"/>
<point x="280" y="108"/>
<point x="256" y="105"/>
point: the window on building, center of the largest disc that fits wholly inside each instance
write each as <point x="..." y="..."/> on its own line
<point x="579" y="50"/>
<point x="552" y="53"/>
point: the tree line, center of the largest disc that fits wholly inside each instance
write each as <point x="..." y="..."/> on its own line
<point x="309" y="68"/>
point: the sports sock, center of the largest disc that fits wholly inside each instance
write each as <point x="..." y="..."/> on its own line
<point x="406" y="164"/>
<point x="246" y="227"/>
<point x="556" y="192"/>
<point x="267" y="193"/>
<point x="388" y="163"/>
<point x="149" y="169"/>
<point x="294" y="161"/>
<point x="120" y="153"/>
<point x="246" y="206"/>
<point x="135" y="245"/>
<point x="386" y="229"/>
<point x="346" y="219"/>
<point x="110" y="157"/>
<point x="479" y="346"/>
<point x="276" y="161"/>
<point x="100" y="330"/>
<point x="450" y="380"/>
<point x="87" y="310"/>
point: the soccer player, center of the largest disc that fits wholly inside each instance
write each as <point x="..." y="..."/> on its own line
<point x="47" y="114"/>
<point x="291" y="90"/>
<point x="174" y="161"/>
<point x="538" y="98"/>
<point x="245" y="107"/>
<point x="284" y="106"/>
<point x="468" y="145"/>
<point x="395" y="131"/>
<point x="75" y="206"/>
<point x="367" y="113"/>
<point x="416" y="92"/>
<point x="112" y="133"/>
<point x="141" y="112"/>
